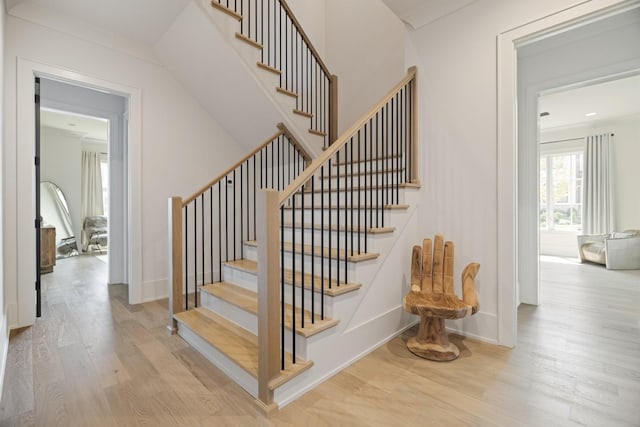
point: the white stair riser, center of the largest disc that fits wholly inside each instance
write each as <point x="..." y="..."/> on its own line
<point x="240" y="277"/>
<point x="217" y="358"/>
<point x="320" y="238"/>
<point x="390" y="163"/>
<point x="329" y="264"/>
<point x="317" y="295"/>
<point x="369" y="180"/>
<point x="249" y="321"/>
<point x="248" y="281"/>
<point x="336" y="217"/>
<point x="377" y="196"/>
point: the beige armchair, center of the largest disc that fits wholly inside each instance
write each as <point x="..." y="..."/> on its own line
<point x="617" y="251"/>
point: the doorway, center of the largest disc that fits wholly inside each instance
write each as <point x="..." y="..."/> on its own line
<point x="569" y="59"/>
<point x="83" y="134"/>
<point x="531" y="60"/>
<point x="25" y="252"/>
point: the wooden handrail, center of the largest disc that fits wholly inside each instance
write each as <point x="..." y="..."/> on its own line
<point x="282" y="130"/>
<point x="306" y="39"/>
<point x="342" y="140"/>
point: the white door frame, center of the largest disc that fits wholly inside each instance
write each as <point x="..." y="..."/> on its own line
<point x="507" y="173"/>
<point x="25" y="179"/>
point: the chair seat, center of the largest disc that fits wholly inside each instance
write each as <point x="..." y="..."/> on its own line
<point x="595" y="252"/>
<point x="436" y="305"/>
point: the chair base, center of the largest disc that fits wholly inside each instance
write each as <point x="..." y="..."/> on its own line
<point x="432" y="341"/>
<point x="431" y="351"/>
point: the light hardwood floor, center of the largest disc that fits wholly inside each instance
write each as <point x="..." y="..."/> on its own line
<point x="94" y="360"/>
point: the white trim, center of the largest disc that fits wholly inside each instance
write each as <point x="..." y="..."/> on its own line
<point x="563" y="20"/>
<point x="25" y="151"/>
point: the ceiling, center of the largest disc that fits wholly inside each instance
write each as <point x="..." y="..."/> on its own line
<point x="609" y="100"/>
<point x="419" y="13"/>
<point x="141" y="20"/>
<point x="145" y="21"/>
<point x="92" y="129"/>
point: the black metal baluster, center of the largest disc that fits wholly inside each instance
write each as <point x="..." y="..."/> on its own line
<point x="241" y="214"/>
<point x="313" y="245"/>
<point x="202" y="234"/>
<point x="322" y="277"/>
<point x="293" y="287"/>
<point x="233" y="210"/>
<point x="367" y="176"/>
<point x="377" y="163"/>
<point x="220" y="231"/>
<point x="211" y="230"/>
<point x="186" y="257"/>
<point x="282" y="313"/>
<point x="255" y="190"/>
<point x="330" y="224"/>
<point x="226" y="217"/>
<point x="338" y="219"/>
<point x="359" y="188"/>
<point x="302" y="259"/>
<point x="195" y="252"/>
<point x="351" y="209"/>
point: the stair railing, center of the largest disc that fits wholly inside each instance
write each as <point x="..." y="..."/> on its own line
<point x="287" y="50"/>
<point x="211" y="226"/>
<point x="370" y="162"/>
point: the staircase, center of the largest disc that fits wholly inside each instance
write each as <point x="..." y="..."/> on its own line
<point x="289" y="266"/>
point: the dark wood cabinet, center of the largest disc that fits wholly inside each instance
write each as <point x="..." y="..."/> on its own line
<point x="47" y="249"/>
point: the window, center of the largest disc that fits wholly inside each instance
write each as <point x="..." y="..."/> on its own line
<point x="561" y="191"/>
<point x="104" y="174"/>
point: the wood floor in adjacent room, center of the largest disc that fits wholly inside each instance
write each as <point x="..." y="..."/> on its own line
<point x="94" y="360"/>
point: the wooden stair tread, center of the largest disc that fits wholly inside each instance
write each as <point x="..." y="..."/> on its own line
<point x="249" y="41"/>
<point x="334" y="227"/>
<point x="236" y="343"/>
<point x="317" y="132"/>
<point x="268" y="68"/>
<point x="366" y="172"/>
<point x="373" y="159"/>
<point x="354" y="207"/>
<point x="287" y="92"/>
<point x="226" y="10"/>
<point x="302" y="113"/>
<point x="337" y="288"/>
<point x="319" y="251"/>
<point x="248" y="301"/>
<point x="326" y="189"/>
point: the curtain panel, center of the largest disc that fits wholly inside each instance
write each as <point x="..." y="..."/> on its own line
<point x="597" y="189"/>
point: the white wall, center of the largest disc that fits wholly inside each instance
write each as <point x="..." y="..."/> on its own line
<point x="4" y="336"/>
<point x="364" y="45"/>
<point x="458" y="87"/>
<point x="182" y="146"/>
<point x="311" y="15"/>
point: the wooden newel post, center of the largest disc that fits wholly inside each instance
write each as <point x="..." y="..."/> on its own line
<point x="267" y="236"/>
<point x="414" y="125"/>
<point x="176" y="303"/>
<point x="333" y="109"/>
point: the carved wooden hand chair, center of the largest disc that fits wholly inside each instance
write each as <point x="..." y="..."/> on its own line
<point x="433" y="298"/>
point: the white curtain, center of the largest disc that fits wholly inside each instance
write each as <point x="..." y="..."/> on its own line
<point x="597" y="189"/>
<point x="91" y="180"/>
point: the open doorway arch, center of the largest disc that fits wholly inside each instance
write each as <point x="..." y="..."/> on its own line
<point x="517" y="237"/>
<point x="25" y="182"/>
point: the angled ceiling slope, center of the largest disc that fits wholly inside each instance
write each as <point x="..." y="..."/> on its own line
<point x="418" y="13"/>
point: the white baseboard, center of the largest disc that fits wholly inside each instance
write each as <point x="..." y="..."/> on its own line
<point x="155" y="290"/>
<point x="308" y="387"/>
